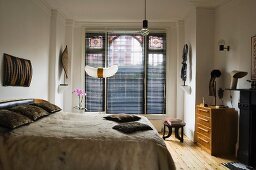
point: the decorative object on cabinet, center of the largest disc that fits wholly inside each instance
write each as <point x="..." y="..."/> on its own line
<point x="220" y="95"/>
<point x="222" y="46"/>
<point x="17" y="71"/>
<point x="145" y="31"/>
<point x="235" y="75"/>
<point x="212" y="84"/>
<point x="253" y="62"/>
<point x="211" y="135"/>
<point x="247" y="127"/>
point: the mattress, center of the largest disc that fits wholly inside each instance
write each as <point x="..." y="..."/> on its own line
<point x="82" y="141"/>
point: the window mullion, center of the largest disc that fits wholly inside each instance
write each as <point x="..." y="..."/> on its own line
<point x="106" y="65"/>
<point x="145" y="73"/>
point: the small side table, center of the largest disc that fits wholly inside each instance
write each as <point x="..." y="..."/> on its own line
<point x="176" y="125"/>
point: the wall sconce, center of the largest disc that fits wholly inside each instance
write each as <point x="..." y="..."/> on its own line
<point x="222" y="46"/>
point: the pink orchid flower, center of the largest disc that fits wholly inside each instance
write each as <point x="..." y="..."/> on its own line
<point x="79" y="92"/>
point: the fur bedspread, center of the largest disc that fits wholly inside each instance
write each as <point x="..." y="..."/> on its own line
<point x="75" y="141"/>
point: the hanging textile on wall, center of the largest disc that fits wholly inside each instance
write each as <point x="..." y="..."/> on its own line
<point x="184" y="64"/>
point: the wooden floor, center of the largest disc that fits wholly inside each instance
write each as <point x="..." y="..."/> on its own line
<point x="189" y="156"/>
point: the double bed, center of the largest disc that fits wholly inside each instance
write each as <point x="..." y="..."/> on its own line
<point x="81" y="141"/>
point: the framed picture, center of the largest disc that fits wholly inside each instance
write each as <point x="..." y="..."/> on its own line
<point x="253" y="48"/>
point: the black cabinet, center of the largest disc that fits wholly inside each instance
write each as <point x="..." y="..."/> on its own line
<point x="247" y="127"/>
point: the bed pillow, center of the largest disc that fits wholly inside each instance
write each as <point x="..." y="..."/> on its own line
<point x="32" y="112"/>
<point x="11" y="120"/>
<point x="122" y="118"/>
<point x="49" y="107"/>
<point x="132" y="127"/>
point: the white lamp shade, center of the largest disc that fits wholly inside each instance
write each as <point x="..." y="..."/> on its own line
<point x="101" y="72"/>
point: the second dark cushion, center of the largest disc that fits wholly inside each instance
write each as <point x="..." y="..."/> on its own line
<point x="32" y="112"/>
<point x="132" y="127"/>
<point x="122" y="118"/>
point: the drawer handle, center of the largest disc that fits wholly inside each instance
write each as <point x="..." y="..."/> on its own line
<point x="203" y="110"/>
<point x="203" y="140"/>
<point x="206" y="120"/>
<point x="203" y="129"/>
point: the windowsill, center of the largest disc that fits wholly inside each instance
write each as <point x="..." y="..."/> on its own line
<point x="154" y="116"/>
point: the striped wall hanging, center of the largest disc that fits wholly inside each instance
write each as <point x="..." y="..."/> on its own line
<point x="17" y="71"/>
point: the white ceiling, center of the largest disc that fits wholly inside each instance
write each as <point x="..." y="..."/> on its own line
<point x="127" y="10"/>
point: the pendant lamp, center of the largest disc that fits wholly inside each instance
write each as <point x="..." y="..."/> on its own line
<point x="145" y="31"/>
<point x="101" y="72"/>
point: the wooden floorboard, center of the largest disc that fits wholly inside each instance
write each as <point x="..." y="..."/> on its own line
<point x="187" y="155"/>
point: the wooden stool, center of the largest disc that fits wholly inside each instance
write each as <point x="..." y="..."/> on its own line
<point x="176" y="124"/>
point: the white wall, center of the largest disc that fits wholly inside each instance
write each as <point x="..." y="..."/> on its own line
<point x="57" y="45"/>
<point x="69" y="36"/>
<point x="25" y="33"/>
<point x="77" y="62"/>
<point x="179" y="91"/>
<point x="204" y="53"/>
<point x="189" y="99"/>
<point x="234" y="23"/>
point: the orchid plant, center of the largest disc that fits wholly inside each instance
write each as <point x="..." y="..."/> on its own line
<point x="81" y="95"/>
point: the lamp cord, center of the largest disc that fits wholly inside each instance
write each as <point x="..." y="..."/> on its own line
<point x="145" y="9"/>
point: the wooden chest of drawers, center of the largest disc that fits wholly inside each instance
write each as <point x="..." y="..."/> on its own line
<point x="216" y="130"/>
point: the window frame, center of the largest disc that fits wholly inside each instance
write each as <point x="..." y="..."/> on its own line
<point x="146" y="52"/>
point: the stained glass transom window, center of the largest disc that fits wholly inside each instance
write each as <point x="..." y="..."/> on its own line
<point x="96" y="42"/>
<point x="156" y="43"/>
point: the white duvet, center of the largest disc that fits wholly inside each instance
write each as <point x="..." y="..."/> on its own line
<point x="75" y="141"/>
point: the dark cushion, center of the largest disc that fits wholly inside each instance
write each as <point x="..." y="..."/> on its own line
<point x="11" y="120"/>
<point x="49" y="107"/>
<point x="131" y="127"/>
<point x="122" y="118"/>
<point x="32" y="112"/>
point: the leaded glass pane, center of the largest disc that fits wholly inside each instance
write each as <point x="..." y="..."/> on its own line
<point x="95" y="57"/>
<point x="125" y="89"/>
<point x="156" y="42"/>
<point x="94" y="87"/>
<point x="96" y="42"/>
<point x="156" y="84"/>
